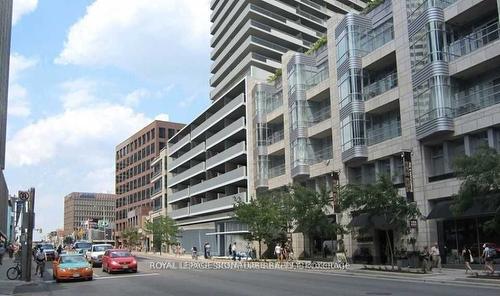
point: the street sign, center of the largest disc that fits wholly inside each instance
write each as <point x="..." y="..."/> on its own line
<point x="24" y="195"/>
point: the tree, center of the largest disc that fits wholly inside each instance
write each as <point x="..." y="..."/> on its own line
<point x="480" y="175"/>
<point x="164" y="231"/>
<point x="264" y="217"/>
<point x="131" y="237"/>
<point x="380" y="200"/>
<point x="309" y="212"/>
<point x="68" y="240"/>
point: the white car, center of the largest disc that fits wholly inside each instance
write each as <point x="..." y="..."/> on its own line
<point x="94" y="255"/>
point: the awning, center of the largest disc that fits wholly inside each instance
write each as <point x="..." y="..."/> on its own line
<point x="364" y="220"/>
<point x="442" y="210"/>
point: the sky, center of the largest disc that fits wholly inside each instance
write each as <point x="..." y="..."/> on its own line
<point x="84" y="76"/>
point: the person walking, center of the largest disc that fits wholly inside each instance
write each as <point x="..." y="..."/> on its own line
<point x="467" y="255"/>
<point x="194" y="253"/>
<point x="207" y="249"/>
<point x="436" y="258"/>
<point x="40" y="262"/>
<point x="488" y="255"/>
<point x="277" y="252"/>
<point x="425" y="255"/>
<point x="233" y="251"/>
<point x="2" y="252"/>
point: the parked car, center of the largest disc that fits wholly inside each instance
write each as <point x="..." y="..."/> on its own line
<point x="118" y="260"/>
<point x="81" y="247"/>
<point x="94" y="255"/>
<point x="69" y="267"/>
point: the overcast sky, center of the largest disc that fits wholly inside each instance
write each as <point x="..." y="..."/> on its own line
<point x="84" y="75"/>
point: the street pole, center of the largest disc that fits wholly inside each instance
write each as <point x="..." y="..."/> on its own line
<point x="29" y="235"/>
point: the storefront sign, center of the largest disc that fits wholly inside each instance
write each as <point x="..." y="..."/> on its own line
<point x="408" y="175"/>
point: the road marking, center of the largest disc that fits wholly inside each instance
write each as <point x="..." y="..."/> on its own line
<point x="126" y="276"/>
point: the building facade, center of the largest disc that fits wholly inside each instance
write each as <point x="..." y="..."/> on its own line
<point x="209" y="165"/>
<point x="401" y="90"/>
<point x="80" y="207"/>
<point x="5" y="30"/>
<point x="133" y="173"/>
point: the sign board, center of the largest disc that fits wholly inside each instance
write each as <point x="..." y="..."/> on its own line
<point x="23" y="195"/>
<point x="408" y="175"/>
<point x="103" y="223"/>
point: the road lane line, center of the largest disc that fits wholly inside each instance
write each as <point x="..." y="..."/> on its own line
<point x="126" y="276"/>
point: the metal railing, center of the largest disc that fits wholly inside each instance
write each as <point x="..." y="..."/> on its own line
<point x="268" y="44"/>
<point x="276" y="137"/>
<point x="322" y="154"/>
<point x="380" y="86"/>
<point x="310" y="16"/>
<point x="317" y="78"/>
<point x="443" y="112"/>
<point x="276" y="171"/>
<point x="383" y="133"/>
<point x="320" y="115"/>
<point x="474" y="41"/>
<point x="426" y="5"/>
<point x="464" y="102"/>
<point x="268" y="13"/>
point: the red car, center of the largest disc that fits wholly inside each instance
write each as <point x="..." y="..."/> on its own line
<point x="118" y="260"/>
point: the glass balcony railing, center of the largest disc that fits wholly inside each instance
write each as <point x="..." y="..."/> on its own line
<point x="380" y="86"/>
<point x="320" y="115"/>
<point x="414" y="13"/>
<point x="467" y="102"/>
<point x="276" y="137"/>
<point x="274" y="102"/>
<point x="474" y="41"/>
<point x="322" y="154"/>
<point x="382" y="133"/>
<point x="276" y="171"/>
<point x="376" y="39"/>
<point x="317" y="78"/>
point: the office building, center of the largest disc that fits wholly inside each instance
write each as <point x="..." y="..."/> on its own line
<point x="133" y="173"/>
<point x="5" y="30"/>
<point x="80" y="207"/>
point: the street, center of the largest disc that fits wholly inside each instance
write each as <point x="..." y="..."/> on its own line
<point x="170" y="281"/>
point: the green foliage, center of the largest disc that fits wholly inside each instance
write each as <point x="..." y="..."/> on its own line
<point x="131" y="237"/>
<point x="277" y="74"/>
<point x="380" y="199"/>
<point x="372" y="5"/>
<point x="480" y="176"/>
<point x="164" y="231"/>
<point x="317" y="45"/>
<point x="68" y="240"/>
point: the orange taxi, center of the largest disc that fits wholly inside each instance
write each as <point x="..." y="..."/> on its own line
<point x="70" y="267"/>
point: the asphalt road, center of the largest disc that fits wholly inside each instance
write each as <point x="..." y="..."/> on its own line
<point x="173" y="280"/>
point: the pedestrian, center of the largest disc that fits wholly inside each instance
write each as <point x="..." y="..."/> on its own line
<point x="40" y="262"/>
<point x="10" y="249"/>
<point x="488" y="255"/>
<point x="233" y="251"/>
<point x="326" y="251"/>
<point x="59" y="250"/>
<point x="2" y="252"/>
<point x="230" y="250"/>
<point x="194" y="253"/>
<point x="467" y="255"/>
<point x="436" y="258"/>
<point x="277" y="252"/>
<point x="425" y="255"/>
<point x="207" y="248"/>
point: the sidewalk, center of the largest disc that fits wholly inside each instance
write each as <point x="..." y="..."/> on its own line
<point x="446" y="274"/>
<point x="7" y="287"/>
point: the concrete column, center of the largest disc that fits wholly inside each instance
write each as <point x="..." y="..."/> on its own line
<point x="491" y="137"/>
<point x="467" y="145"/>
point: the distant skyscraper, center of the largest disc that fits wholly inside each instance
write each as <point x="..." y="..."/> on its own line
<point x="5" y="28"/>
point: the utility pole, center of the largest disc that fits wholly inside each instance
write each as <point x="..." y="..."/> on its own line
<point x="27" y="232"/>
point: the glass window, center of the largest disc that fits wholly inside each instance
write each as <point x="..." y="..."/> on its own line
<point x="437" y="160"/>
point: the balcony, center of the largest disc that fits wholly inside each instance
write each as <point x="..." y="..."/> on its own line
<point x="155" y="191"/>
<point x="197" y="169"/>
<point x="217" y="116"/>
<point x="474" y="41"/>
<point x="275" y="137"/>
<point x="317" y="78"/>
<point x="226" y="132"/>
<point x="377" y="38"/>
<point x="276" y="171"/>
<point x="382" y="133"/>
<point x="220" y="181"/>
<point x="466" y="102"/>
<point x="186" y="156"/>
<point x="380" y="86"/>
<point x="322" y="154"/>
<point x="227" y="154"/>
<point x="174" y="147"/>
<point x="176" y="196"/>
<point x="222" y="203"/>
<point x="320" y="115"/>
<point x="179" y="213"/>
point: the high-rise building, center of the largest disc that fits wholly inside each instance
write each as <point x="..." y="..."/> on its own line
<point x="400" y="90"/>
<point x="5" y="28"/>
<point x="80" y="207"/>
<point x="209" y="165"/>
<point x="133" y="172"/>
